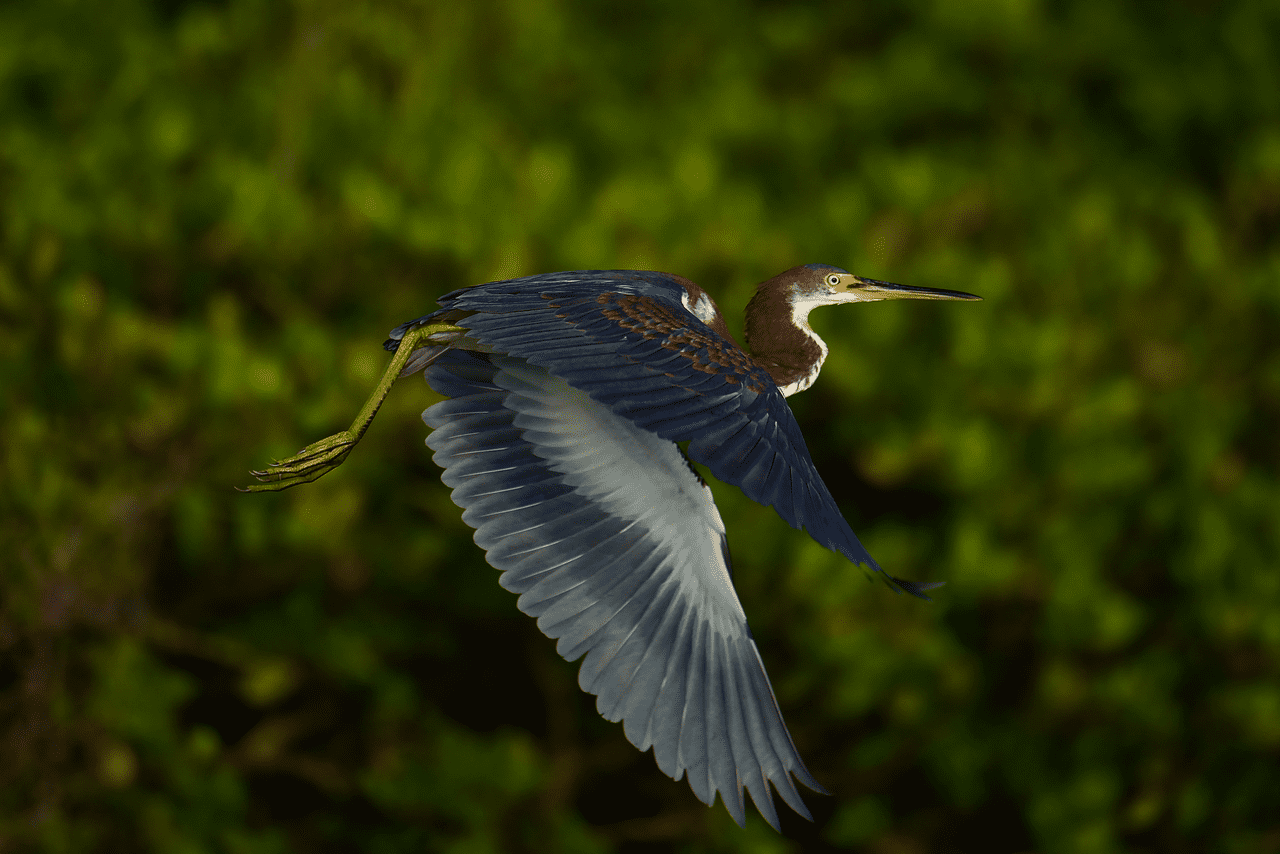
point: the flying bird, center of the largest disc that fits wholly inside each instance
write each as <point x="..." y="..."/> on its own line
<point x="565" y="397"/>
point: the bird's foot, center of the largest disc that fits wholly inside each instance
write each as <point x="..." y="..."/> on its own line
<point x="312" y="462"/>
<point x="319" y="458"/>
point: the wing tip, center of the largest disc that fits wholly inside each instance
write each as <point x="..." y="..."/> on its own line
<point x="915" y="588"/>
<point x="813" y="784"/>
<point x="734" y="806"/>
<point x="763" y="801"/>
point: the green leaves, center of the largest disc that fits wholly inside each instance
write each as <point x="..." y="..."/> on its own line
<point x="211" y="213"/>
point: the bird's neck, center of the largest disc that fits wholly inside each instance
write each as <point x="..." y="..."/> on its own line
<point x="780" y="340"/>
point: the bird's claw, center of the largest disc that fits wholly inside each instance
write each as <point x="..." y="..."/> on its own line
<point x="319" y="458"/>
<point x="312" y="462"/>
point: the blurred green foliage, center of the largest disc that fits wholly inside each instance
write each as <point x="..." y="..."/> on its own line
<point x="210" y="213"/>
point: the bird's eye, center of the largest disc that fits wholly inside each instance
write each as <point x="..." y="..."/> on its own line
<point x="833" y="280"/>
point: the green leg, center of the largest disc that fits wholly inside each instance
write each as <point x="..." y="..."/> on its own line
<point x="320" y="458"/>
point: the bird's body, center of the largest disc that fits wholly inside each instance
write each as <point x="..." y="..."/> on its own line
<point x="566" y="395"/>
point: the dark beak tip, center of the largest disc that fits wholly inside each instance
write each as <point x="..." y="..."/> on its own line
<point x="961" y="295"/>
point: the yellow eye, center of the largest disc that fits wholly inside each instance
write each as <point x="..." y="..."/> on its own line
<point x="833" y="280"/>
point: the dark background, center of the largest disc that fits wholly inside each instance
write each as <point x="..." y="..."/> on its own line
<point x="211" y="213"/>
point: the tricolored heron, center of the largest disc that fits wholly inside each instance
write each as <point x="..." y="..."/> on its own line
<point x="566" y="394"/>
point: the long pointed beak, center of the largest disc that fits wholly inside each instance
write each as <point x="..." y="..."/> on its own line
<point x="892" y="291"/>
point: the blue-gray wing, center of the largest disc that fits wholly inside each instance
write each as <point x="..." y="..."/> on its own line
<point x="615" y="546"/>
<point x="626" y="339"/>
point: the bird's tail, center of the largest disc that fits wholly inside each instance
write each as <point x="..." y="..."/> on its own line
<point x="421" y="358"/>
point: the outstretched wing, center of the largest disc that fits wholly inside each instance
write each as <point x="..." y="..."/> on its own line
<point x="627" y="339"/>
<point x="616" y="547"/>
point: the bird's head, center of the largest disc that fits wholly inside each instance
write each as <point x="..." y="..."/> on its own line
<point x="812" y="285"/>
<point x="777" y="322"/>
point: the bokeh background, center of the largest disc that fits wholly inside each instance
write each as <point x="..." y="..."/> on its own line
<point x="211" y="213"/>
